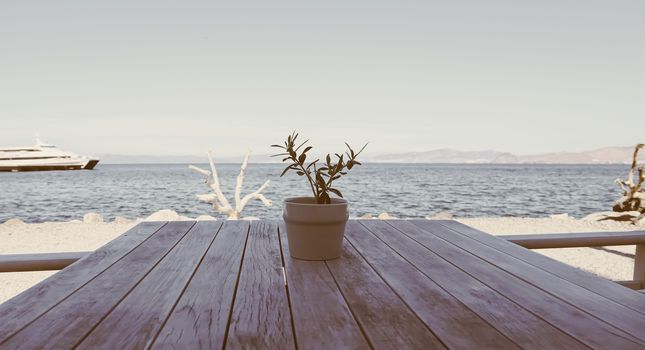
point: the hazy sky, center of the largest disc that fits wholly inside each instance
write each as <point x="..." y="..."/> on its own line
<point x="178" y="77"/>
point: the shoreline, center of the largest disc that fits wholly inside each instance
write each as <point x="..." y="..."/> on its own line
<point x="614" y="263"/>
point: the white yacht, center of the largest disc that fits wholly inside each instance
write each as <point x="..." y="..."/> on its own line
<point x="42" y="157"/>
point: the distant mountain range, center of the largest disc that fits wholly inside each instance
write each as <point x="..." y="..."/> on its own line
<point x="607" y="155"/>
<point x="181" y="159"/>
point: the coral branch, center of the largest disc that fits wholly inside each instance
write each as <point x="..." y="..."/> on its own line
<point x="217" y="198"/>
<point x="215" y="185"/>
<point x="240" y="180"/>
<point x="199" y="170"/>
<point x="257" y="195"/>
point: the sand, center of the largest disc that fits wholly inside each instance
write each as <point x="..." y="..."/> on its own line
<point x="614" y="263"/>
<point x="51" y="237"/>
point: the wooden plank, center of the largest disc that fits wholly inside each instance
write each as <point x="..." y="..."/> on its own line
<point x="613" y="313"/>
<point x="68" y="322"/>
<point x="557" y="312"/>
<point x="577" y="239"/>
<point x="384" y="318"/>
<point x="21" y="310"/>
<point x="602" y="308"/>
<point x="134" y="323"/>
<point x="39" y="262"/>
<point x="261" y="317"/>
<point x="450" y="320"/>
<point x="321" y="317"/>
<point x="606" y="288"/>
<point x="518" y="324"/>
<point x="200" y="317"/>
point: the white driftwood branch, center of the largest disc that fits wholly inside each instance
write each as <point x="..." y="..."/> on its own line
<point x="199" y="170"/>
<point x="257" y="195"/>
<point x="217" y="198"/>
<point x="215" y="185"/>
<point x="240" y="180"/>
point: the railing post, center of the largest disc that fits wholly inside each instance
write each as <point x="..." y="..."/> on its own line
<point x="639" y="264"/>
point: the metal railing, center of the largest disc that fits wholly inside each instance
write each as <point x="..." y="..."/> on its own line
<point x="591" y="239"/>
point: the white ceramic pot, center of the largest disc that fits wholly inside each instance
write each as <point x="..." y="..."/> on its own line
<point x="315" y="231"/>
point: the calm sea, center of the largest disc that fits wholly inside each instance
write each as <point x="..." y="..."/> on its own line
<point x="403" y="190"/>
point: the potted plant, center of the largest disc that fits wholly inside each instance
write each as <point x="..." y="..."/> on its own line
<point x="316" y="225"/>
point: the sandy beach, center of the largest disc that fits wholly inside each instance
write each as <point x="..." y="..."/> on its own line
<point x="614" y="263"/>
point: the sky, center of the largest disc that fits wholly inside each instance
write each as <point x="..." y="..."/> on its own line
<point x="179" y="77"/>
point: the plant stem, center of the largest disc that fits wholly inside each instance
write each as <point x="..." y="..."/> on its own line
<point x="313" y="189"/>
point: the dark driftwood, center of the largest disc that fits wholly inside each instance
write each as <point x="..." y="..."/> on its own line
<point x="633" y="198"/>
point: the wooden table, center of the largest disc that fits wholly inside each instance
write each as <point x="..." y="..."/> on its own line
<point x="399" y="284"/>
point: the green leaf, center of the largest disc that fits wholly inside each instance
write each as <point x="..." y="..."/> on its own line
<point x="350" y="149"/>
<point x="339" y="166"/>
<point x="307" y="149"/>
<point x="302" y="158"/>
<point x="321" y="182"/>
<point x="278" y="146"/>
<point x="312" y="164"/>
<point x="285" y="171"/>
<point x="337" y="192"/>
<point x="359" y="152"/>
<point x="302" y="144"/>
<point x="300" y="173"/>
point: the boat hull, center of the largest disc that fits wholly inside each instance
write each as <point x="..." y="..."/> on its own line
<point x="22" y="168"/>
<point x="91" y="164"/>
<point x="42" y="157"/>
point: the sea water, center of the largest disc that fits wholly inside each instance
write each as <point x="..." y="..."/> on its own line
<point x="402" y="190"/>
